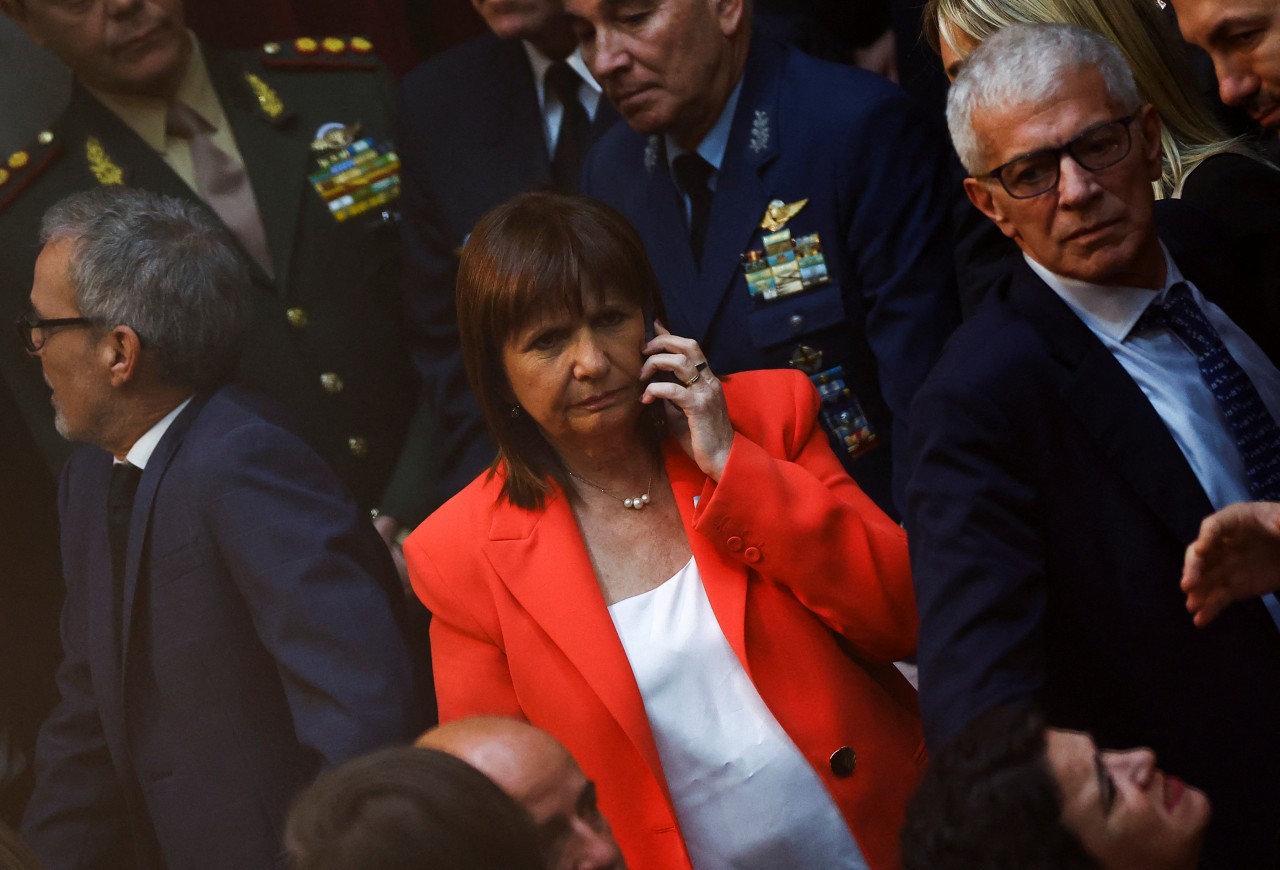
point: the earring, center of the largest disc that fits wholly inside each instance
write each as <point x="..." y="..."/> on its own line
<point x="515" y="411"/>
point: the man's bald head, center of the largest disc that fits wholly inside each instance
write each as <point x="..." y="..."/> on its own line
<point x="535" y="769"/>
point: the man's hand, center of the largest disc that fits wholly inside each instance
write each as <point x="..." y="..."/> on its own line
<point x="1236" y="556"/>
<point x="391" y="532"/>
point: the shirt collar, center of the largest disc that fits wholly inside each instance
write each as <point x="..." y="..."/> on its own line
<point x="1110" y="311"/>
<point x="146" y="116"/>
<point x="140" y="453"/>
<point x="714" y="144"/>
<point x="541" y="62"/>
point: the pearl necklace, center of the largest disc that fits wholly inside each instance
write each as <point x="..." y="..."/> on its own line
<point x="638" y="502"/>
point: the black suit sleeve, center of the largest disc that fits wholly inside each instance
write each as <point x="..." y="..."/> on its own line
<point x="977" y="559"/>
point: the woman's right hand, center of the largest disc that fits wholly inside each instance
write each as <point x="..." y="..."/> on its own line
<point x="696" y="411"/>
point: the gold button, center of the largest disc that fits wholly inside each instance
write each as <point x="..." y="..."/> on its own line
<point x="360" y="45"/>
<point x="334" y="46"/>
<point x="271" y="48"/>
<point x="297" y="317"/>
<point x="18" y="159"/>
<point x="331" y="383"/>
<point x="45" y="138"/>
<point x="306" y="45"/>
<point x="358" y="446"/>
<point x="4" y="175"/>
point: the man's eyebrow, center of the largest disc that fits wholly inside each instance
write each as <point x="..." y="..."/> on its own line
<point x="1219" y="32"/>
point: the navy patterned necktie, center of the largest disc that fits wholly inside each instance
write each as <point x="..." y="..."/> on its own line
<point x="1255" y="432"/>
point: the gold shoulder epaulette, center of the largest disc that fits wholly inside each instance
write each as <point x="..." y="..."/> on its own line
<point x="19" y="169"/>
<point x="332" y="52"/>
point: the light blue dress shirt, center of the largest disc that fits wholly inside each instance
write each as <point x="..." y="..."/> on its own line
<point x="710" y="149"/>
<point x="1168" y="374"/>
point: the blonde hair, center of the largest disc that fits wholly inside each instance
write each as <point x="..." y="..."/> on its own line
<point x="1189" y="133"/>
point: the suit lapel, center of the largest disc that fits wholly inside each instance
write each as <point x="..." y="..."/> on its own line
<point x="140" y="519"/>
<point x="1114" y="410"/>
<point x="665" y="229"/>
<point x="543" y="562"/>
<point x="276" y="159"/>
<point x="139" y="164"/>
<point x="742" y="194"/>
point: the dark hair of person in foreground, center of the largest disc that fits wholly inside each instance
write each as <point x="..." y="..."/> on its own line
<point x="988" y="801"/>
<point x="406" y="808"/>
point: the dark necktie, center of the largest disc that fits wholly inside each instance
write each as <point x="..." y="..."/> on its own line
<point x="120" y="493"/>
<point x="221" y="181"/>
<point x="575" y="126"/>
<point x="1255" y="432"/>
<point x="693" y="174"/>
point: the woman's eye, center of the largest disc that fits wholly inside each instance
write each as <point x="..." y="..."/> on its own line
<point x="544" y="341"/>
<point x="610" y="318"/>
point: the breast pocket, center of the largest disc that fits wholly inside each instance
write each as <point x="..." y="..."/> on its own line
<point x="788" y="318"/>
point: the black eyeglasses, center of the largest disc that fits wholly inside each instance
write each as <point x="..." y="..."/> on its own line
<point x="1100" y="147"/>
<point x="31" y="329"/>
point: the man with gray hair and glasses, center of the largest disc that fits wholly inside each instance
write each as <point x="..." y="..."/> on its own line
<point x="1076" y="432"/>
<point x="229" y="626"/>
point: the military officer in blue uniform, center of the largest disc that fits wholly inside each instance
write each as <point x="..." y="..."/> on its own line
<point x="796" y="212"/>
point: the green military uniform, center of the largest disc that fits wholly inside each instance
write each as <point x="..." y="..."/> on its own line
<point x="327" y="336"/>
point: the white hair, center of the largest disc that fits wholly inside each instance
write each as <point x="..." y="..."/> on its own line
<point x="1028" y="63"/>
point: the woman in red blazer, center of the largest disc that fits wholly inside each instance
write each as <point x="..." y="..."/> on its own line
<point x="633" y="488"/>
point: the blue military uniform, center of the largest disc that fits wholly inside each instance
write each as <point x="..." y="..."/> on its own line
<point x="874" y="174"/>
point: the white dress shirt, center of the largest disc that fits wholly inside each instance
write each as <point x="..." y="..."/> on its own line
<point x="549" y="103"/>
<point x="140" y="453"/>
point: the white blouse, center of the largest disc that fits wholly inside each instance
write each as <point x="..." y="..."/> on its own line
<point x="745" y="797"/>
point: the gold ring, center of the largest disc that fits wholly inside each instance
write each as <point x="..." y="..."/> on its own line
<point x="693" y="380"/>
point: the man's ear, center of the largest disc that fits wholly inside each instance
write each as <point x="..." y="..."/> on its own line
<point x="979" y="193"/>
<point x="730" y="13"/>
<point x="121" y="350"/>
<point x="1149" y="122"/>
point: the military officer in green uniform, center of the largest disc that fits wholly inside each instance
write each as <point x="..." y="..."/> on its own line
<point x="290" y="147"/>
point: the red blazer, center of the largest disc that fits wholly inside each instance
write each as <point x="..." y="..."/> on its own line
<point x="809" y="581"/>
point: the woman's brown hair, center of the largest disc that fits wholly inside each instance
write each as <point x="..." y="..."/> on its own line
<point x="539" y="251"/>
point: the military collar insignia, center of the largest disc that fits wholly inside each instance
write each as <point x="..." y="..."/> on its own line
<point x="760" y="132"/>
<point x="268" y="100"/>
<point x="101" y="164"/>
<point x="651" y="152"/>
<point x="778" y="213"/>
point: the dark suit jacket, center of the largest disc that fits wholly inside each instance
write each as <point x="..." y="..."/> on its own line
<point x="879" y="191"/>
<point x="1049" y="511"/>
<point x="253" y="645"/>
<point x="342" y="278"/>
<point x="471" y="136"/>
